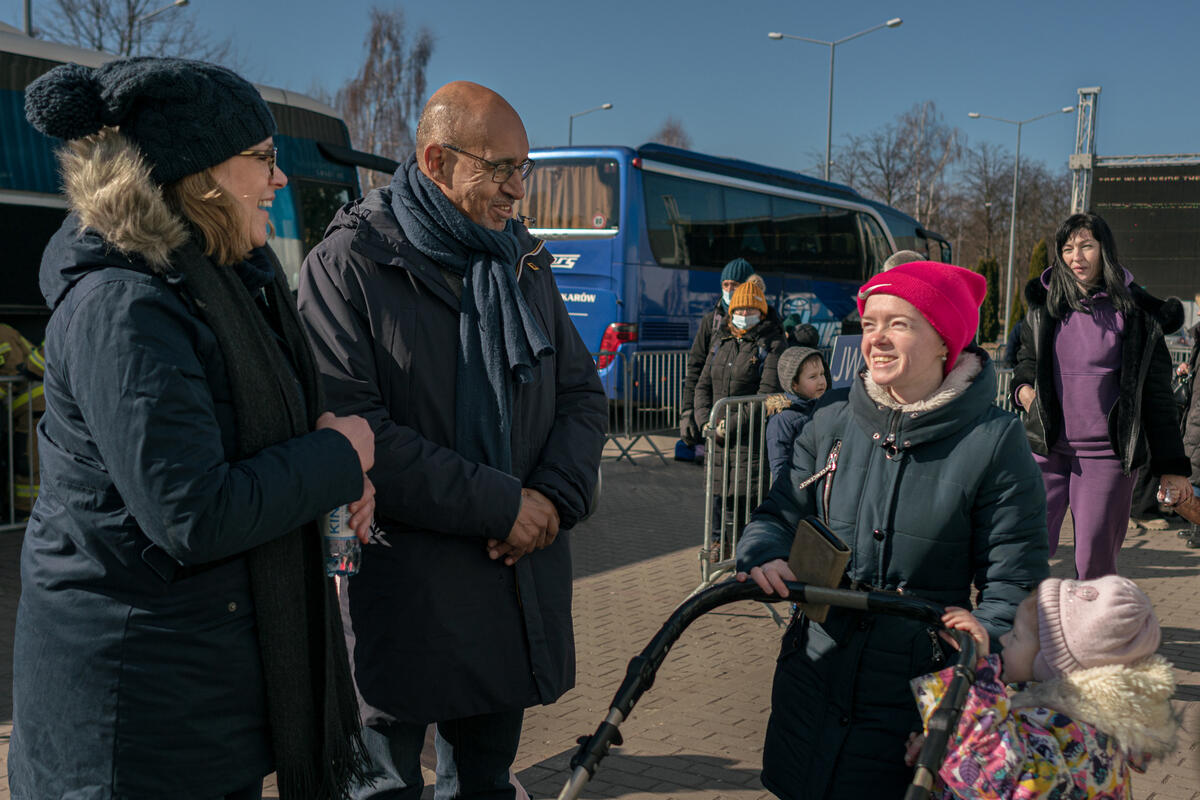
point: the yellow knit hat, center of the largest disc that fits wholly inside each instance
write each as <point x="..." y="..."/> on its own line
<point x="748" y="295"/>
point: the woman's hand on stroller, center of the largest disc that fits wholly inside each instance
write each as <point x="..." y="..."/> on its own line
<point x="771" y="577"/>
<point x="959" y="619"/>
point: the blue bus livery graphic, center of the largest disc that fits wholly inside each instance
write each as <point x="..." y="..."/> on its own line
<point x="639" y="238"/>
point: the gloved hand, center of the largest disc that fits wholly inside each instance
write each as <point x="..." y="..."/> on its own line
<point x="689" y="431"/>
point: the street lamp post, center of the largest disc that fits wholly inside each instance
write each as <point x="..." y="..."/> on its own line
<point x="1012" y="222"/>
<point x="571" y="121"/>
<point x="895" y="22"/>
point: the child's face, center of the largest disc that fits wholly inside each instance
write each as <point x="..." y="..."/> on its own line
<point x="1021" y="643"/>
<point x="810" y="379"/>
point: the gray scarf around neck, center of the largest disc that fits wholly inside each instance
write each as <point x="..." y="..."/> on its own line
<point x="499" y="339"/>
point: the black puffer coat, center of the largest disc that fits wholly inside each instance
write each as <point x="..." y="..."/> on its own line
<point x="439" y="630"/>
<point x="1191" y="416"/>
<point x="739" y="366"/>
<point x="710" y="323"/>
<point x="1142" y="425"/>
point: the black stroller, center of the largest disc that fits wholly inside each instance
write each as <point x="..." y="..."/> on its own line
<point x="642" y="669"/>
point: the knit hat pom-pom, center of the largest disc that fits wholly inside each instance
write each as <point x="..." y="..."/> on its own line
<point x="66" y="102"/>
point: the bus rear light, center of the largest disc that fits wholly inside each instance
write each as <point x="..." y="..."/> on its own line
<point x="615" y="335"/>
<point x="637" y="162"/>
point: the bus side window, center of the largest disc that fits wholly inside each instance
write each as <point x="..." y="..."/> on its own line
<point x="750" y="228"/>
<point x="685" y="220"/>
<point x="877" y="249"/>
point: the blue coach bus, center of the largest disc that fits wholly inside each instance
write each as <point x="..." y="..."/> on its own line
<point x="639" y="238"/>
<point x="314" y="151"/>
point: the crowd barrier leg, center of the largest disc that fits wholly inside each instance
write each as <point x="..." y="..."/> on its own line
<point x="736" y="478"/>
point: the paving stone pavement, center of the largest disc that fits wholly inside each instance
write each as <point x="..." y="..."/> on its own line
<point x="698" y="732"/>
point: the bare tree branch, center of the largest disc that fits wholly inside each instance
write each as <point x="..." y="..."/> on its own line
<point x="672" y="134"/>
<point x="381" y="103"/>
<point x="113" y="26"/>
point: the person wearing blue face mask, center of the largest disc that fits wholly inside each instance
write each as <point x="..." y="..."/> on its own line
<point x="743" y="360"/>
<point x="733" y="275"/>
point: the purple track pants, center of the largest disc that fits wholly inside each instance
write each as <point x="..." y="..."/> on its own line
<point x="1099" y="496"/>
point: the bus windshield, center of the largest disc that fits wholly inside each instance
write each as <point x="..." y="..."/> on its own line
<point x="572" y="194"/>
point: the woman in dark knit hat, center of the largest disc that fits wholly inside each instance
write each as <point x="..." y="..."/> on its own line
<point x="176" y="634"/>
<point x="936" y="494"/>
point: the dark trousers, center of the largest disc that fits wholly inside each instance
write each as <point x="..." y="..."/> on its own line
<point x="251" y="792"/>
<point x="474" y="755"/>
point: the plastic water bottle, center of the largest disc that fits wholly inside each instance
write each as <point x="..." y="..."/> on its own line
<point x="342" y="550"/>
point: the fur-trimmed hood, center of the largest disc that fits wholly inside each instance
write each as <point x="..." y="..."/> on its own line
<point x="1130" y="703"/>
<point x="118" y="215"/>
<point x="1168" y="312"/>
<point x="965" y="370"/>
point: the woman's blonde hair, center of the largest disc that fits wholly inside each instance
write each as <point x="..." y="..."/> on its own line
<point x="214" y="213"/>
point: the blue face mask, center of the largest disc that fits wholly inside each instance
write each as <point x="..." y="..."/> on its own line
<point x="726" y="297"/>
<point x="746" y="321"/>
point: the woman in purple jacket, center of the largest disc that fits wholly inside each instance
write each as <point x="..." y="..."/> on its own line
<point x="1094" y="377"/>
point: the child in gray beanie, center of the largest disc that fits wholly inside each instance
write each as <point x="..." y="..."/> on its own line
<point x="1098" y="704"/>
<point x="804" y="378"/>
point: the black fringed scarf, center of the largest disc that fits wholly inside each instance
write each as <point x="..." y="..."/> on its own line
<point x="311" y="706"/>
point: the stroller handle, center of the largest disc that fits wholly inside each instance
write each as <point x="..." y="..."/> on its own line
<point x="640" y="674"/>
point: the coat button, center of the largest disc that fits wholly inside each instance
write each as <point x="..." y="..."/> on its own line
<point x="878" y="534"/>
<point x="907" y="443"/>
<point x="844" y="721"/>
<point x="874" y="435"/>
<point x="232" y="607"/>
<point x="864" y="624"/>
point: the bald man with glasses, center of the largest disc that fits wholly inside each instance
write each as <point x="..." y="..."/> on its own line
<point x="435" y="316"/>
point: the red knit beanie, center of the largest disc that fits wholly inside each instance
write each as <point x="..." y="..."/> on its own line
<point x="1084" y="624"/>
<point x="947" y="296"/>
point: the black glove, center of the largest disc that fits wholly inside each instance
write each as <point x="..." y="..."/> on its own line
<point x="689" y="431"/>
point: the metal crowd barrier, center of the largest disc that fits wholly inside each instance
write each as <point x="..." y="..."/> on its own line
<point x="1004" y="387"/>
<point x="1179" y="355"/>
<point x="645" y="391"/>
<point x="736" y="476"/>
<point x="19" y="424"/>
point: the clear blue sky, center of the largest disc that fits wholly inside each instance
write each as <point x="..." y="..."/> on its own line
<point x="739" y="94"/>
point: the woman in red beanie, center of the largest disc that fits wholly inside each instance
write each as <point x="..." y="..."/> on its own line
<point x="1093" y="343"/>
<point x="935" y="492"/>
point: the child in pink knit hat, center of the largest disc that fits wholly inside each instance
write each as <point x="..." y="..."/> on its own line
<point x="1089" y="700"/>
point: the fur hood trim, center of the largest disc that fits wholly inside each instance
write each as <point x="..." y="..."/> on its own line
<point x="965" y="370"/>
<point x="1168" y="312"/>
<point x="1131" y="703"/>
<point x="108" y="185"/>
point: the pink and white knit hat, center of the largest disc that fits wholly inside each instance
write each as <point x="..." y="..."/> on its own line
<point x="1083" y="624"/>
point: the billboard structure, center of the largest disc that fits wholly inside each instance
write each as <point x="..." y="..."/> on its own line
<point x="1152" y="204"/>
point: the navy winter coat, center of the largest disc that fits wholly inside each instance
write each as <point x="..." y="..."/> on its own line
<point x="136" y="660"/>
<point x="782" y="429"/>
<point x="932" y="499"/>
<point x="440" y="631"/>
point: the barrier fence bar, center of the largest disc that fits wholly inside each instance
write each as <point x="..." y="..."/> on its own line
<point x="736" y="475"/>
<point x="1004" y="388"/>
<point x="645" y="393"/>
<point x="18" y="393"/>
